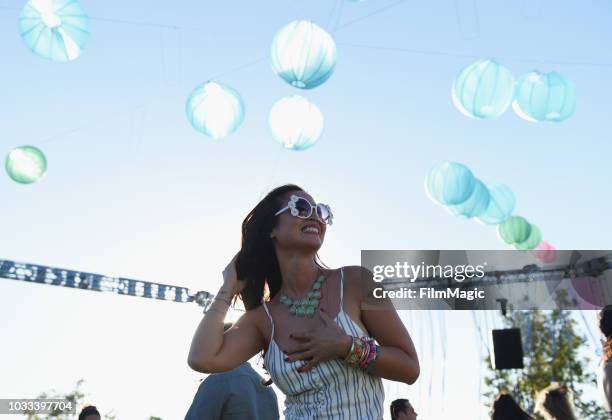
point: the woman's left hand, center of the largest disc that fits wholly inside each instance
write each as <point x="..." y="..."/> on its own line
<point x="327" y="341"/>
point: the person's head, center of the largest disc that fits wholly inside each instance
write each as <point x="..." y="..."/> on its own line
<point x="283" y="223"/>
<point x="401" y="409"/>
<point x="89" y="412"/>
<point x="506" y="408"/>
<point x="554" y="403"/>
<point x="605" y="326"/>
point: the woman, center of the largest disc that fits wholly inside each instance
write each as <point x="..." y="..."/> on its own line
<point x="308" y="319"/>
<point x="604" y="377"/>
<point x="506" y="408"/>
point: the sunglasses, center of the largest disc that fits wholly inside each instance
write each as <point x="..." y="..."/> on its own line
<point x="301" y="208"/>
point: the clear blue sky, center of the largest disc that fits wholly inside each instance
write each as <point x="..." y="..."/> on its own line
<point x="133" y="190"/>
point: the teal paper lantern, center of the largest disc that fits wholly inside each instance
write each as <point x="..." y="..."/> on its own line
<point x="514" y="230"/>
<point x="215" y="110"/>
<point x="476" y="203"/>
<point x="303" y="54"/>
<point x="296" y="123"/>
<point x="450" y="183"/>
<point x="544" y="97"/>
<point x="534" y="239"/>
<point x="501" y="205"/>
<point x="483" y="90"/>
<point x="54" y="29"/>
<point x="25" y="164"/>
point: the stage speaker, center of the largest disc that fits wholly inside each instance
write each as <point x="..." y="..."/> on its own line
<point x="507" y="349"/>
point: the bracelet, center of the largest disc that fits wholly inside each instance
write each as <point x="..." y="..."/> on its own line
<point x="223" y="300"/>
<point x="363" y="353"/>
<point x="370" y="366"/>
<point x="356" y="353"/>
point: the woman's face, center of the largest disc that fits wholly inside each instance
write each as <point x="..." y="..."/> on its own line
<point x="293" y="232"/>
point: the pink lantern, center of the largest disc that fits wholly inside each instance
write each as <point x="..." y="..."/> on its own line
<point x="545" y="252"/>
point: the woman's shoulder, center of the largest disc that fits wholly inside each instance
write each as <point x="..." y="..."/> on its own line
<point x="358" y="277"/>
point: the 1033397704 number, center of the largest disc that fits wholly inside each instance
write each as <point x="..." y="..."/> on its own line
<point x="36" y="406"/>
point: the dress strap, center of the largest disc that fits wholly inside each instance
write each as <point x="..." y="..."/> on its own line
<point x="263" y="302"/>
<point x="341" y="288"/>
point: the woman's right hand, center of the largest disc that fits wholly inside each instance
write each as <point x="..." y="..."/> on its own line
<point x="230" y="278"/>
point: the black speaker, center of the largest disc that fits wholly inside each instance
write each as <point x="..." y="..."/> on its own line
<point x="507" y="349"/>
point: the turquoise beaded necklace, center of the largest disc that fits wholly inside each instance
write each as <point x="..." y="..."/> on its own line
<point x="305" y="307"/>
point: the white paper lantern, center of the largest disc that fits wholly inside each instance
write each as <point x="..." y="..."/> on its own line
<point x="54" y="29"/>
<point x="303" y="54"/>
<point x="295" y="122"/>
<point x="215" y="109"/>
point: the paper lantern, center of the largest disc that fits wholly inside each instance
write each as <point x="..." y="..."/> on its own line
<point x="514" y="230"/>
<point x="303" y="54"/>
<point x="483" y="90"/>
<point x="25" y="164"/>
<point x="501" y="205"/>
<point x="450" y="183"/>
<point x="54" y="29"/>
<point x="545" y="252"/>
<point x="476" y="203"/>
<point x="544" y="97"/>
<point x="534" y="239"/>
<point x="296" y="123"/>
<point x="214" y="109"/>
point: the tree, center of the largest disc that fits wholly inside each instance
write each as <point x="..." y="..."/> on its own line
<point x="552" y="347"/>
<point x="76" y="397"/>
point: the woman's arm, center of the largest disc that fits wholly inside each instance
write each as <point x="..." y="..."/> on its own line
<point x="212" y="350"/>
<point x="397" y="360"/>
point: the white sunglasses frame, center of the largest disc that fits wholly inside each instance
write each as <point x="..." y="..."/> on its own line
<point x="294" y="212"/>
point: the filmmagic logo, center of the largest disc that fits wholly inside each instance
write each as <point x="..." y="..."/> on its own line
<point x="429" y="293"/>
<point x="411" y="272"/>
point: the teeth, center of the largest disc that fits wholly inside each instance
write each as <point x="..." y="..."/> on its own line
<point x="310" y="229"/>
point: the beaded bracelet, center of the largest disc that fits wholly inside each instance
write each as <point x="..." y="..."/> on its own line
<point x="363" y="353"/>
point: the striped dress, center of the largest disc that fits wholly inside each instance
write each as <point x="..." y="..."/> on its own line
<point x="331" y="390"/>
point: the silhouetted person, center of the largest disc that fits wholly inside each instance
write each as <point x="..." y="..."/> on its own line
<point x="554" y="403"/>
<point x="89" y="413"/>
<point x="401" y="409"/>
<point x="604" y="376"/>
<point x="240" y="393"/>
<point x="506" y="408"/>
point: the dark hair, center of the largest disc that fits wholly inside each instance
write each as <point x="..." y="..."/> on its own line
<point x="554" y="402"/>
<point x="605" y="326"/>
<point x="506" y="408"/>
<point x="397" y="406"/>
<point x="86" y="411"/>
<point x="257" y="263"/>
